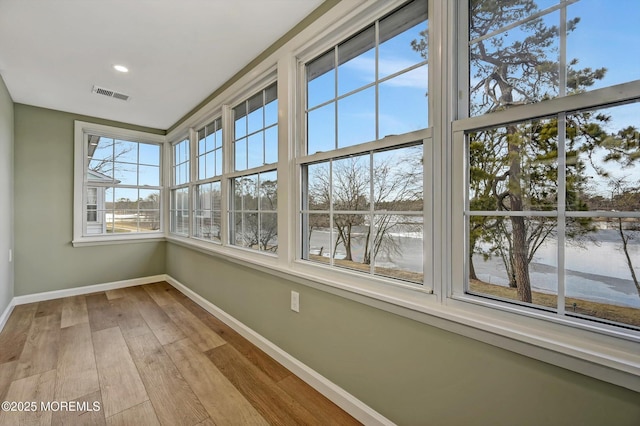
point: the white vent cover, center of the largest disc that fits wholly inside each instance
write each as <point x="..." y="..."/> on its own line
<point x="110" y="93"/>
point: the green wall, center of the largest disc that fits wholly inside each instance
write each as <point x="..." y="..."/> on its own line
<point x="6" y="196"/>
<point x="412" y="373"/>
<point x="44" y="257"/>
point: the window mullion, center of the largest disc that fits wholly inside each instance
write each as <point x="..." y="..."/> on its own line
<point x="228" y="135"/>
<point x="372" y="219"/>
<point x="561" y="224"/>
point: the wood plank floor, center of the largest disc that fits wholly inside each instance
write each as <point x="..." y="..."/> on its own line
<point x="145" y="355"/>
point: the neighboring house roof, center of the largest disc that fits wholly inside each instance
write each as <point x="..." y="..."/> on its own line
<point x="97" y="176"/>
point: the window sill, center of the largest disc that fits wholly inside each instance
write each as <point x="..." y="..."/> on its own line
<point x="124" y="239"/>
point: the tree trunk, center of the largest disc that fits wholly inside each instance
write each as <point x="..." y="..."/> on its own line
<point x="518" y="228"/>
<point x="472" y="269"/>
<point x="625" y="240"/>
<point x="367" y="253"/>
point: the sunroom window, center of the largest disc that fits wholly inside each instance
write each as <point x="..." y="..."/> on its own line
<point x="122" y="186"/>
<point x="208" y="189"/>
<point x="181" y="177"/>
<point x="552" y="212"/>
<point x="362" y="175"/>
<point x="253" y="218"/>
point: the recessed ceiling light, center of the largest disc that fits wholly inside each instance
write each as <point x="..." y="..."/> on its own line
<point x="121" y="68"/>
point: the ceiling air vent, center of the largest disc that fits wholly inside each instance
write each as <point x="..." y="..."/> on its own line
<point x="110" y="93"/>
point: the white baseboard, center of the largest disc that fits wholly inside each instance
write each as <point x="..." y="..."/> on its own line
<point x="5" y="315"/>
<point x="76" y="291"/>
<point x="333" y="392"/>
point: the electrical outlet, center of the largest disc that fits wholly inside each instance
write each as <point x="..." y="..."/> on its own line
<point x="295" y="301"/>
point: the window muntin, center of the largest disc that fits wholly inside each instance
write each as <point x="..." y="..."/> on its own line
<point x="372" y="85"/>
<point x="525" y="53"/>
<point x="253" y="217"/>
<point x="563" y="238"/>
<point x="209" y="156"/>
<point x="256" y="130"/>
<point x="122" y="186"/>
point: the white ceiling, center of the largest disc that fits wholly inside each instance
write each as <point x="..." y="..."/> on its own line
<point x="52" y="52"/>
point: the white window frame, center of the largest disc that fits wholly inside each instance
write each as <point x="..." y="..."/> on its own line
<point x="81" y="131"/>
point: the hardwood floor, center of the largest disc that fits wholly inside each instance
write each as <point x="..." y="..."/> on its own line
<point x="144" y="355"/>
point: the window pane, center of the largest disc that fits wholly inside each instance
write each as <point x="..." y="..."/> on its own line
<point x="240" y="147"/>
<point x="268" y="191"/>
<point x="149" y="199"/>
<point x="207" y="220"/>
<point x="350" y="241"/>
<point x="603" y="153"/>
<point x="403" y="39"/>
<point x="210" y="164"/>
<point x="321" y="79"/>
<point x="357" y="118"/>
<point x="357" y="61"/>
<point x="149" y="175"/>
<point x="268" y="236"/>
<point x="514" y="258"/>
<point x="126" y="151"/>
<point x="255" y="150"/>
<point x="240" y="126"/>
<point x="318" y="232"/>
<point x="210" y="139"/>
<point x="202" y="167"/>
<point x="597" y="42"/>
<point x="601" y="270"/>
<point x="398" y="179"/>
<point x="487" y="16"/>
<point x="125" y="173"/>
<point x="318" y="187"/>
<point x="271" y="145"/>
<point x="271" y="113"/>
<point x="397" y="247"/>
<point x="351" y="183"/>
<point x="404" y="103"/>
<point x="202" y="143"/>
<point x="246" y="192"/>
<point x="256" y="120"/>
<point x="528" y="67"/>
<point x="179" y="211"/>
<point x="101" y="170"/>
<point x="218" y="134"/>
<point x="514" y="168"/>
<point x="321" y="129"/>
<point x="218" y="155"/>
<point x="149" y="154"/>
<point x="100" y="148"/>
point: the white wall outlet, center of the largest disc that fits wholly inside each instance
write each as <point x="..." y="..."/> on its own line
<point x="10" y="255"/>
<point x="295" y="301"/>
